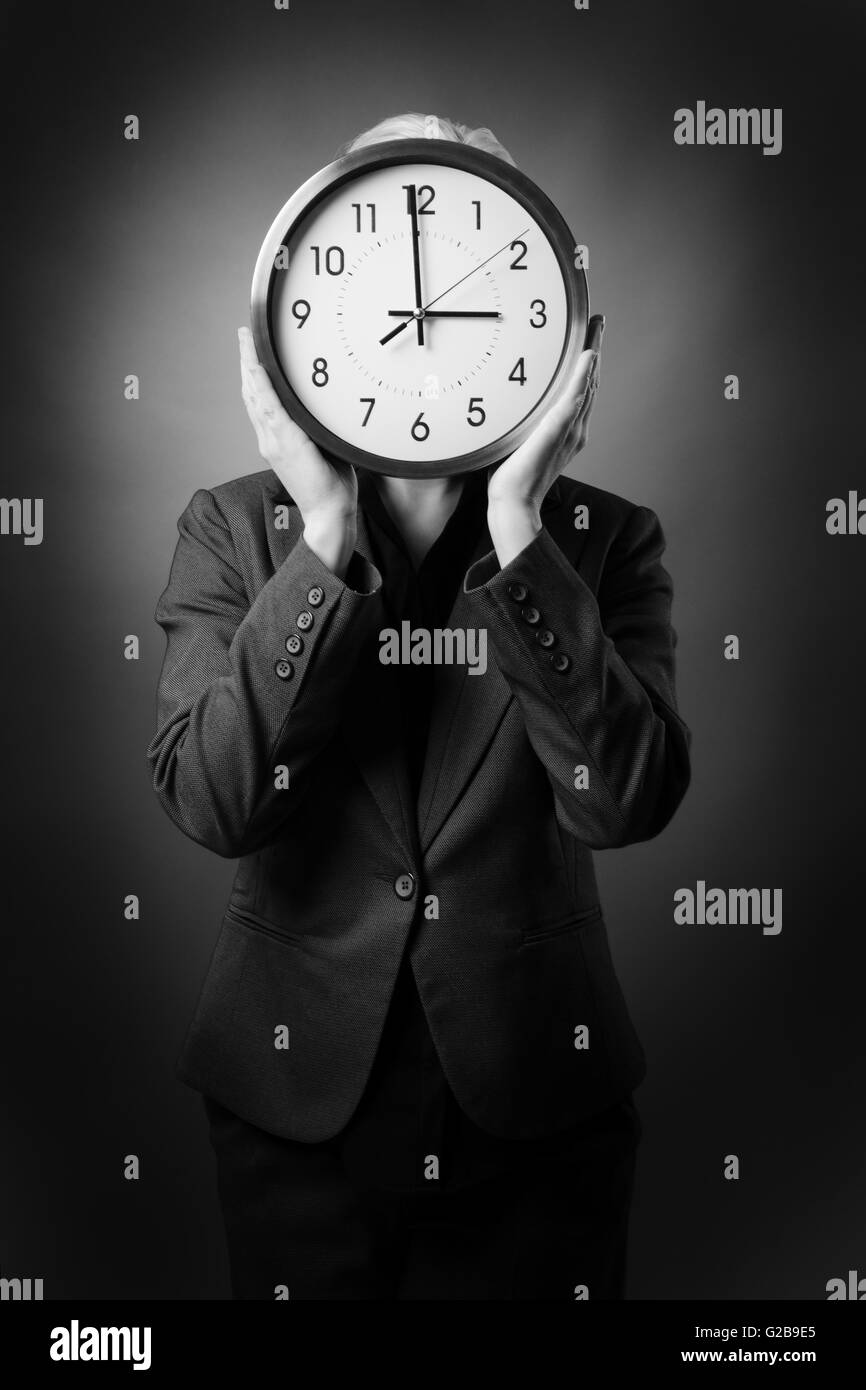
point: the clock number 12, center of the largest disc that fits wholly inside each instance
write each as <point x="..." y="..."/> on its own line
<point x="423" y="207"/>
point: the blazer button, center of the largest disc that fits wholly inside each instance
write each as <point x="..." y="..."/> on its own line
<point x="530" y="615"/>
<point x="304" y="621"/>
<point x="285" y="670"/>
<point x="544" y="637"/>
<point x="315" y="596"/>
<point x="560" y="662"/>
<point x="518" y="592"/>
<point x="294" y="645"/>
<point x="404" y="886"/>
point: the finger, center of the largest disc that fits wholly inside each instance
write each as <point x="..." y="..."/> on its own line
<point x="595" y="333"/>
<point x="282" y="431"/>
<point x="590" y="394"/>
<point x="575" y="387"/>
<point x="249" y="357"/>
<point x="248" y="360"/>
<point x="575" y="434"/>
<point x="578" y="396"/>
<point x="248" y="390"/>
<point x="585" y="387"/>
<point x="262" y="403"/>
<point x="582" y="433"/>
<point x="267" y="401"/>
<point x="264" y="436"/>
<point x="585" y="367"/>
<point x="254" y="379"/>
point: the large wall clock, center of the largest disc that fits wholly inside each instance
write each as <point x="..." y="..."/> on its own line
<point x="417" y="307"/>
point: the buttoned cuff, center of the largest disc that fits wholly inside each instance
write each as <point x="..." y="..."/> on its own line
<point x="362" y="576"/>
<point x="306" y="608"/>
<point x="549" y="612"/>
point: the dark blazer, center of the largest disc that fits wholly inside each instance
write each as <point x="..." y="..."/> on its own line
<point x="509" y="946"/>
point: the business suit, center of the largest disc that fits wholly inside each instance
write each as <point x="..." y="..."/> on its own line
<point x="331" y="914"/>
<point x="332" y="869"/>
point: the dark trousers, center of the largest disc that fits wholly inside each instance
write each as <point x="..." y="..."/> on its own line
<point x="541" y="1230"/>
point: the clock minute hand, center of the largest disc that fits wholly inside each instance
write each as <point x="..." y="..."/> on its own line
<point x="412" y="195"/>
<point x="400" y="326"/>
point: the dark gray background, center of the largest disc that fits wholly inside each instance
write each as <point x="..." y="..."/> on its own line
<point x="122" y="257"/>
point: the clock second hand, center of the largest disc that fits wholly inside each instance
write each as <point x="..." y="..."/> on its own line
<point x="400" y="326"/>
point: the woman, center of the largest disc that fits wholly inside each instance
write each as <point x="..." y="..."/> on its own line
<point x="416" y="1061"/>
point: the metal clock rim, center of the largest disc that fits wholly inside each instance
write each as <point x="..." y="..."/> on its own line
<point x="384" y="155"/>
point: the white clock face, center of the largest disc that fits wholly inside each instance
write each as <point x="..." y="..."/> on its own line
<point x="450" y="380"/>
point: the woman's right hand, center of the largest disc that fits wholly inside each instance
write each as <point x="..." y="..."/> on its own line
<point x="326" y="494"/>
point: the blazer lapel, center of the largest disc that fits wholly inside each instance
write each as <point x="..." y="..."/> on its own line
<point x="373" y="730"/>
<point x="465" y="716"/>
<point x="467" y="711"/>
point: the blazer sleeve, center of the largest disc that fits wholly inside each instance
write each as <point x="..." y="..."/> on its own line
<point x="226" y="718"/>
<point x="602" y="696"/>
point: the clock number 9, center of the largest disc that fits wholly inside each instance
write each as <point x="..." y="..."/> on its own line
<point x="475" y="409"/>
<point x="539" y="307"/>
<point x="301" y="311"/>
<point x="320" y="370"/>
<point x="420" y="428"/>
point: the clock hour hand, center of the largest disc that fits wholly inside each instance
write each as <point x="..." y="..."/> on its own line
<point x="416" y="259"/>
<point x="399" y="329"/>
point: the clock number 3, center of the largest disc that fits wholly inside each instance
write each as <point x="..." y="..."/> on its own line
<point x="538" y="307"/>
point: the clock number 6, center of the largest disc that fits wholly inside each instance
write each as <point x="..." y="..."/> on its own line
<point x="539" y="307"/>
<point x="420" y="428"/>
<point x="475" y="409"/>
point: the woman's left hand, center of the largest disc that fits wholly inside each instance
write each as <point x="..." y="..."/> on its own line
<point x="516" y="489"/>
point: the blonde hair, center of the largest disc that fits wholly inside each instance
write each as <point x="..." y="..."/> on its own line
<point x="414" y="126"/>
